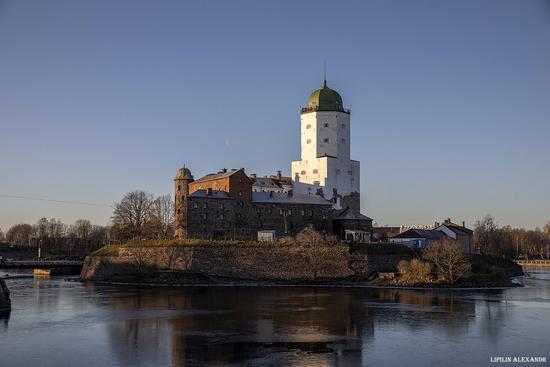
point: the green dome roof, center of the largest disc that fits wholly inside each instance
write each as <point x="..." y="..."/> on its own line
<point x="325" y="99"/>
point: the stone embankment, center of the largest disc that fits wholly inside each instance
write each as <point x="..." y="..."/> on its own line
<point x="5" y="304"/>
<point x="261" y="262"/>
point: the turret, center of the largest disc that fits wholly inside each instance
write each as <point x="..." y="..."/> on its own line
<point x="181" y="190"/>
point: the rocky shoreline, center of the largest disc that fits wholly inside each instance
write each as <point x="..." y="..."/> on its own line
<point x="191" y="279"/>
<point x="5" y="303"/>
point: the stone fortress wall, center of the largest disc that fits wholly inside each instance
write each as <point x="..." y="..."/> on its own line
<point x="246" y="262"/>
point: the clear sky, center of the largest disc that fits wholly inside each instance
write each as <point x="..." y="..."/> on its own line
<point x="450" y="100"/>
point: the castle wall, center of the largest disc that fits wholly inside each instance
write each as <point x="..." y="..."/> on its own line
<point x="251" y="262"/>
<point x="214" y="218"/>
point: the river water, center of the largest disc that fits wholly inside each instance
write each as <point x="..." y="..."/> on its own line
<point x="55" y="322"/>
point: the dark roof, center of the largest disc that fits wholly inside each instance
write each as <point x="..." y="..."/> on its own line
<point x="386" y="230"/>
<point x="216" y="176"/>
<point x="456" y="228"/>
<point x="430" y="234"/>
<point x="277" y="197"/>
<point x="216" y="194"/>
<point x="350" y="214"/>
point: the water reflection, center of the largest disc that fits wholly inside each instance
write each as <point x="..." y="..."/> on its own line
<point x="234" y="325"/>
<point x="297" y="326"/>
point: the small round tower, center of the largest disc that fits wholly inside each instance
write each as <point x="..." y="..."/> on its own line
<point x="181" y="190"/>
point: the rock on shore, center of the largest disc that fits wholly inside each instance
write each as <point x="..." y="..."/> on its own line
<point x="5" y="304"/>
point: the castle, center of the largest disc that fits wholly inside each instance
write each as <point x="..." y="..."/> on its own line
<point x="323" y="190"/>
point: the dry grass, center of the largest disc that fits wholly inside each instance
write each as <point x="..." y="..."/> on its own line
<point x="113" y="250"/>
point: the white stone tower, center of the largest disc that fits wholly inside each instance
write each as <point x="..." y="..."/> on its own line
<point x="326" y="166"/>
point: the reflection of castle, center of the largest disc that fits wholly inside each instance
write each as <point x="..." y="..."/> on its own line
<point x="282" y="325"/>
<point x="323" y="190"/>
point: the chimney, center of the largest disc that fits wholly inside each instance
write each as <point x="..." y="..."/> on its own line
<point x="209" y="191"/>
<point x="224" y="170"/>
<point x="279" y="175"/>
<point x="242" y="169"/>
<point x="253" y="175"/>
<point x="463" y="224"/>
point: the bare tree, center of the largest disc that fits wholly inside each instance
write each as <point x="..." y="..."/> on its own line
<point x="316" y="247"/>
<point x="448" y="258"/>
<point x="163" y="216"/>
<point x="132" y="215"/>
<point x="41" y="228"/>
<point x="82" y="229"/>
<point x="140" y="257"/>
<point x="20" y="234"/>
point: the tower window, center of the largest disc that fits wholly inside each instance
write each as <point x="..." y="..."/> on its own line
<point x="325" y="140"/>
<point x="326" y="125"/>
<point x="183" y="197"/>
<point x="350" y="173"/>
<point x="269" y="211"/>
<point x="205" y="205"/>
<point x="308" y="126"/>
<point x="343" y="126"/>
<point x="179" y="211"/>
<point x="195" y="206"/>
<point x="179" y="187"/>
<point x="221" y="216"/>
<point x="221" y="206"/>
<point x="315" y="171"/>
<point x="343" y="141"/>
<point x="204" y="216"/>
<point x="308" y="141"/>
<point x="303" y="172"/>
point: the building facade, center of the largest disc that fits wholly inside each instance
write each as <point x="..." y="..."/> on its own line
<point x="323" y="190"/>
<point x="325" y="166"/>
<point x="223" y="206"/>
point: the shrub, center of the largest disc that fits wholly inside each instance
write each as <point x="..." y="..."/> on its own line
<point x="448" y="258"/>
<point x="414" y="271"/>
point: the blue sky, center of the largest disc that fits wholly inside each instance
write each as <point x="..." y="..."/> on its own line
<point x="450" y="100"/>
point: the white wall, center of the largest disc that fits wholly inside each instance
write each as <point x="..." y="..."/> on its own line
<point x="325" y="155"/>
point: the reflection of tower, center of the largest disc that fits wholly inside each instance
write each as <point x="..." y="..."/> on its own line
<point x="181" y="190"/>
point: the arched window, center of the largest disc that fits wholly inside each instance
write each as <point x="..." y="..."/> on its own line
<point x="326" y="140"/>
<point x="205" y="205"/>
<point x="179" y="187"/>
<point x="325" y="125"/>
<point x="308" y="141"/>
<point x="308" y="126"/>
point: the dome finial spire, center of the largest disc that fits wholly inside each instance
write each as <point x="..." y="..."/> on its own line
<point x="325" y="72"/>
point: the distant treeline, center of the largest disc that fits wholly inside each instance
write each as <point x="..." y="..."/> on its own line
<point x="512" y="243"/>
<point x="137" y="215"/>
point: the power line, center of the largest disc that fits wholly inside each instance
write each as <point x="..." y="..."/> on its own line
<point x="55" y="201"/>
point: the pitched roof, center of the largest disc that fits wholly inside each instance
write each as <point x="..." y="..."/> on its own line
<point x="350" y="214"/>
<point x="277" y="197"/>
<point x="216" y="194"/>
<point x="217" y="176"/>
<point x="430" y="234"/>
<point x="265" y="182"/>
<point x="456" y="228"/>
